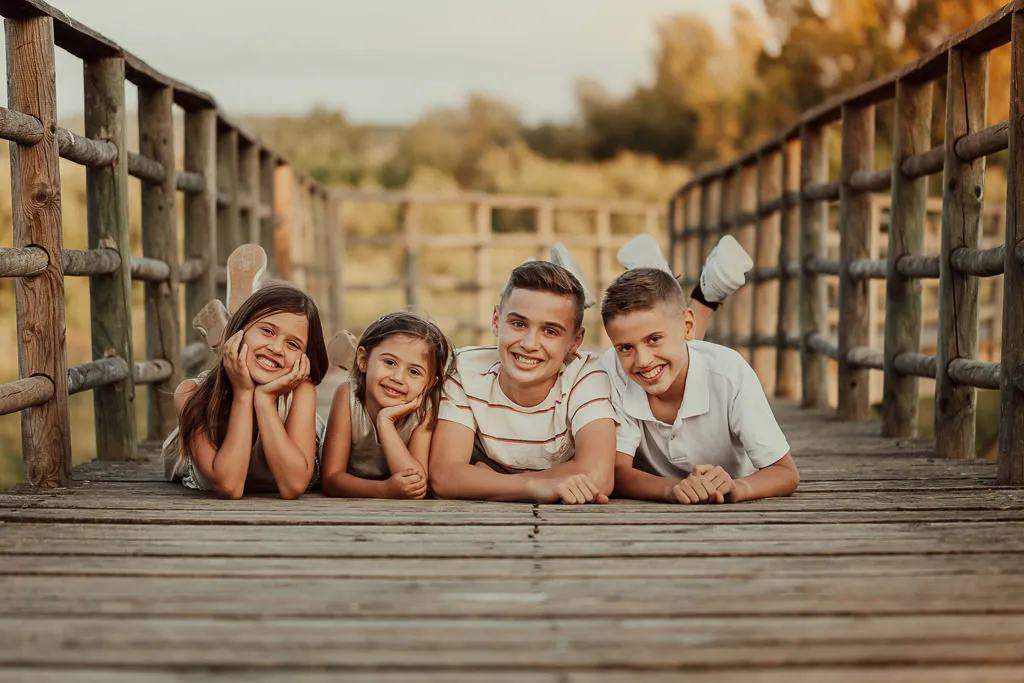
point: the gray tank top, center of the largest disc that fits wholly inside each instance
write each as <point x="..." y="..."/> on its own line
<point x="366" y="456"/>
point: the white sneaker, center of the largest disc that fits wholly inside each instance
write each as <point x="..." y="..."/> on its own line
<point x="724" y="270"/>
<point x="642" y="252"/>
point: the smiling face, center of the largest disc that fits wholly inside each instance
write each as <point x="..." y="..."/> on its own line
<point x="650" y="345"/>
<point x="536" y="332"/>
<point x="275" y="342"/>
<point x="397" y="370"/>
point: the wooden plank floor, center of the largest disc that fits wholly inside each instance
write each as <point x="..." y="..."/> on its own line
<point x="887" y="565"/>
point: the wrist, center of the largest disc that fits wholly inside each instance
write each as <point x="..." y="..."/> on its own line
<point x="740" y="491"/>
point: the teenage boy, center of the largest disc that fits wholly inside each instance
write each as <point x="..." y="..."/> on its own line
<point x="694" y="425"/>
<point x="529" y="419"/>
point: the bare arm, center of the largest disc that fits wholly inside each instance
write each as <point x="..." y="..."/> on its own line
<point x="402" y="458"/>
<point x="337" y="447"/>
<point x="225" y="468"/>
<point x="778" y="479"/>
<point x="638" y="485"/>
<point x="594" y="457"/>
<point x="290" y="446"/>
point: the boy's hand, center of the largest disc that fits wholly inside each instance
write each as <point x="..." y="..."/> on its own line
<point x="289" y="381"/>
<point x="235" y="360"/>
<point x="696" y="489"/>
<point x="407" y="484"/>
<point x="574" y="489"/>
<point x="395" y="413"/>
<point x="719" y="478"/>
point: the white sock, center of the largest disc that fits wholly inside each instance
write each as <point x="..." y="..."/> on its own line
<point x="724" y="270"/>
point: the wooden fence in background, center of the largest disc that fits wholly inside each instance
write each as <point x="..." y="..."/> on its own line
<point x="227" y="184"/>
<point x="776" y="198"/>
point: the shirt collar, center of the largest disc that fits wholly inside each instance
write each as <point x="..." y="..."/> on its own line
<point x="696" y="397"/>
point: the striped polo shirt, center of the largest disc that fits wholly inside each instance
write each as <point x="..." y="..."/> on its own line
<point x="525" y="438"/>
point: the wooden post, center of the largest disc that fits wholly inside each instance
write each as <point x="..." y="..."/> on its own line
<point x="605" y="268"/>
<point x="787" y="360"/>
<point x="742" y="302"/>
<point x="36" y="217"/>
<point x="858" y="150"/>
<point x="482" y="258"/>
<point x="268" y="223"/>
<point x="110" y="295"/>
<point x="963" y="185"/>
<point x="228" y="235"/>
<point x="411" y="233"/>
<point x="1010" y="464"/>
<point x="677" y="247"/>
<point x="913" y="117"/>
<point x="201" y="212"/>
<point x="813" y="293"/>
<point x="708" y="218"/>
<point x="691" y="241"/>
<point x="336" y="259"/>
<point x="160" y="241"/>
<point x="765" y="304"/>
<point x="544" y="226"/>
<point x="719" y="327"/>
<point x="249" y="181"/>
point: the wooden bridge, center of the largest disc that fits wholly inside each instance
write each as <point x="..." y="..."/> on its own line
<point x="898" y="558"/>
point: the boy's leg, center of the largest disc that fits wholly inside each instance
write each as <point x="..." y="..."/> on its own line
<point x="724" y="272"/>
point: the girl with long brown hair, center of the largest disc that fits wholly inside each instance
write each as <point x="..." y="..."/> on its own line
<point x="250" y="423"/>
<point x="383" y="417"/>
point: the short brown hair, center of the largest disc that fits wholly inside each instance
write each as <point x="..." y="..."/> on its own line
<point x="640" y="289"/>
<point x="544" y="276"/>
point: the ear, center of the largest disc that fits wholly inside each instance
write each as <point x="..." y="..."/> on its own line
<point x="361" y="358"/>
<point x="689" y="324"/>
<point x="494" y="321"/>
<point x="578" y="341"/>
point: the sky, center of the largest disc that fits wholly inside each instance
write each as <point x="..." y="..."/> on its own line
<point x="385" y="61"/>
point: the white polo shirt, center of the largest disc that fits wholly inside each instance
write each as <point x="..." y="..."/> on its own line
<point x="724" y="418"/>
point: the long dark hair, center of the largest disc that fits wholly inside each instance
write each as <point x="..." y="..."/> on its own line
<point x="206" y="412"/>
<point x="412" y="325"/>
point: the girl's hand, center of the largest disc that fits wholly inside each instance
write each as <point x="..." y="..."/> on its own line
<point x="289" y="381"/>
<point x="236" y="364"/>
<point x="407" y="484"/>
<point x="395" y="413"/>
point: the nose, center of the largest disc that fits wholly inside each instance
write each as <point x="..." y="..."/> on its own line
<point x="643" y="357"/>
<point x="529" y="340"/>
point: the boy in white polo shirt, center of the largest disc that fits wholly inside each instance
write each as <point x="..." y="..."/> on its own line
<point x="694" y="425"/>
<point x="531" y="418"/>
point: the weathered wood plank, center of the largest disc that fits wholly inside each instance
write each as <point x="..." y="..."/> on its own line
<point x="813" y="294"/>
<point x="201" y="214"/>
<point x="765" y="294"/>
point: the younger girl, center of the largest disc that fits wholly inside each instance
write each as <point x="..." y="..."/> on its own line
<point x="250" y="424"/>
<point x="382" y="418"/>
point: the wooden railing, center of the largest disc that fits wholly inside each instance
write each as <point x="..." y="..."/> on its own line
<point x="776" y="199"/>
<point x="595" y="248"/>
<point x="228" y="184"/>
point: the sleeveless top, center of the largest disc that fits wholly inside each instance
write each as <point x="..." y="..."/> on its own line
<point x="178" y="466"/>
<point x="366" y="456"/>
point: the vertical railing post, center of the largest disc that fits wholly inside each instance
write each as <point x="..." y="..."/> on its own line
<point x="228" y="236"/>
<point x="36" y="217"/>
<point x="742" y="302"/>
<point x="907" y="214"/>
<point x="766" y="253"/>
<point x="963" y="185"/>
<point x="110" y="295"/>
<point x="335" y="258"/>
<point x="320" y="250"/>
<point x="605" y="269"/>
<point x="1010" y="464"/>
<point x="201" y="212"/>
<point x="482" y="272"/>
<point x="813" y="292"/>
<point x="708" y="208"/>
<point x="719" y="327"/>
<point x="691" y="237"/>
<point x="676" y="244"/>
<point x="266" y="212"/>
<point x="544" y="227"/>
<point x="787" y="360"/>
<point x="160" y="241"/>
<point x="855" y="220"/>
<point x="249" y="186"/>
<point x="411" y="235"/>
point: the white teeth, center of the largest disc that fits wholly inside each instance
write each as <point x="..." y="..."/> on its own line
<point x="524" y="360"/>
<point x="650" y="374"/>
<point x="267" y="363"/>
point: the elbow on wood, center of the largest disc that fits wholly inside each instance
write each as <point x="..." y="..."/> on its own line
<point x="230" y="492"/>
